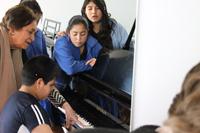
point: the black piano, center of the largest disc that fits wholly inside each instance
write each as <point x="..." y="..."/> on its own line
<point x="114" y="86"/>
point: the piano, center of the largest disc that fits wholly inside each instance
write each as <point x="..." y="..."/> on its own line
<point x="115" y="86"/>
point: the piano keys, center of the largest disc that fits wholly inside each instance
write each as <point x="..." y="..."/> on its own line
<point x="84" y="122"/>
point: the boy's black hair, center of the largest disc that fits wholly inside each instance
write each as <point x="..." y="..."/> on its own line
<point x="146" y="129"/>
<point x="100" y="130"/>
<point x="39" y="67"/>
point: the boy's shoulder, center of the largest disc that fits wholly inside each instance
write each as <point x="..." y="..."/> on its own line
<point x="21" y="108"/>
<point x="19" y="96"/>
<point x="19" y="101"/>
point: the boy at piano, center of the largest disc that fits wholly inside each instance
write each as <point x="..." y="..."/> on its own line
<point x="23" y="108"/>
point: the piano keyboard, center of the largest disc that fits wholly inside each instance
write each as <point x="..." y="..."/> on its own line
<point x="84" y="123"/>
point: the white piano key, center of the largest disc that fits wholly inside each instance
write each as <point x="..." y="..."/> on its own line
<point x="85" y="123"/>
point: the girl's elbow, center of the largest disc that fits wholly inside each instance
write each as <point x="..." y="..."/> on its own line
<point x="70" y="71"/>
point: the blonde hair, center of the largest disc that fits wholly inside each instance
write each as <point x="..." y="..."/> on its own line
<point x="187" y="117"/>
<point x="190" y="84"/>
<point x="184" y="113"/>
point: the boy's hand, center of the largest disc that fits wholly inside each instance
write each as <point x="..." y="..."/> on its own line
<point x="71" y="117"/>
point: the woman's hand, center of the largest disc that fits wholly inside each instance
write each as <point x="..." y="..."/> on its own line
<point x="61" y="33"/>
<point x="91" y="62"/>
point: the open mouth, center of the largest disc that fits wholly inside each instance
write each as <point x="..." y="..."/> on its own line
<point x="78" y="43"/>
<point x="94" y="17"/>
<point x="27" y="43"/>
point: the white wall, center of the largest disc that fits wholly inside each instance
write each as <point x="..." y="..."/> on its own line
<point x="5" y="5"/>
<point x="63" y="10"/>
<point x="167" y="46"/>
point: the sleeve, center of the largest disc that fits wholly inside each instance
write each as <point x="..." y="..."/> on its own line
<point x="67" y="61"/>
<point x="119" y="36"/>
<point x="96" y="49"/>
<point x="34" y="116"/>
<point x="56" y="98"/>
<point x="44" y="47"/>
